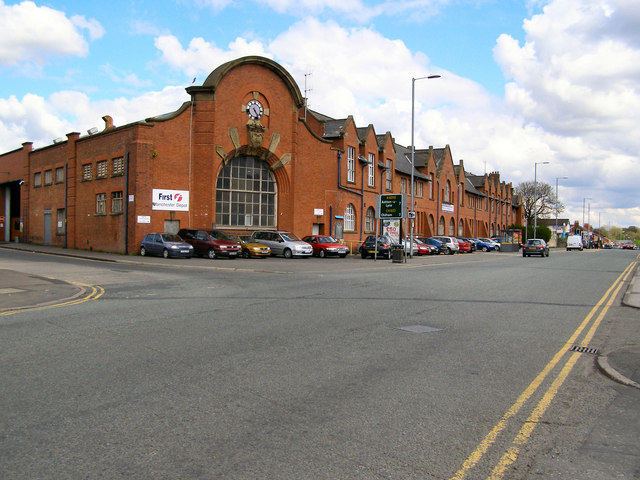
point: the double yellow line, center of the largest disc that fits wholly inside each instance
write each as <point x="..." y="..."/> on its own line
<point x="92" y="292"/>
<point x="520" y="440"/>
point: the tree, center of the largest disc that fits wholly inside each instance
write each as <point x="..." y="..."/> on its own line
<point x="545" y="207"/>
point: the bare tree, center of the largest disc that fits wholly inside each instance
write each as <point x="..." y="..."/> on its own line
<point x="545" y="207"/>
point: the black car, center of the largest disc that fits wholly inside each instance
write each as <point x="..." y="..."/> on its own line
<point x="535" y="246"/>
<point x="368" y="247"/>
<point x="442" y="248"/>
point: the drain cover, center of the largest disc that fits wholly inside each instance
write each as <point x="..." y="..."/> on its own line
<point x="578" y="348"/>
<point x="419" y="329"/>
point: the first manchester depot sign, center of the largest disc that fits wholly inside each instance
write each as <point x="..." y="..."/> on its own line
<point x="174" y="200"/>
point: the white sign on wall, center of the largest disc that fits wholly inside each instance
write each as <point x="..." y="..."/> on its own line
<point x="175" y="200"/>
<point x="144" y="219"/>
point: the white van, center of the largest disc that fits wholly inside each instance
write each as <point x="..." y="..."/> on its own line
<point x="574" y="242"/>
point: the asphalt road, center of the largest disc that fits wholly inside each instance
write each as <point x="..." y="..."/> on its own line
<point x="320" y="369"/>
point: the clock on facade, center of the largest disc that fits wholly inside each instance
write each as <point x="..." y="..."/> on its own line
<point x="254" y="109"/>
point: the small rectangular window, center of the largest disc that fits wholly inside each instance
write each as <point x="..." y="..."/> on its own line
<point x="116" y="202"/>
<point x="101" y="169"/>
<point x="87" y="172"/>
<point x="37" y="179"/>
<point x="48" y="177"/>
<point x="59" y="174"/>
<point x="117" y="167"/>
<point x="101" y="204"/>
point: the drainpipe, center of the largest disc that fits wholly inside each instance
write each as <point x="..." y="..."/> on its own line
<point x="126" y="204"/>
<point x="66" y="202"/>
<point x="364" y="162"/>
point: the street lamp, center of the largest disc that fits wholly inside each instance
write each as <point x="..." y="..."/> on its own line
<point x="535" y="196"/>
<point x="556" y="231"/>
<point x="413" y="149"/>
<point x="583" y="200"/>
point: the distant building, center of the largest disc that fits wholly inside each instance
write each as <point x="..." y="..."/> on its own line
<point x="243" y="154"/>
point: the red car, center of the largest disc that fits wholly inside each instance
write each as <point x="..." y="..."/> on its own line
<point x="465" y="247"/>
<point x="423" y="248"/>
<point x="326" y="246"/>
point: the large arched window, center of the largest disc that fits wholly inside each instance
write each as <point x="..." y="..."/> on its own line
<point x="460" y="228"/>
<point x="349" y="218"/>
<point x="441" y="226"/>
<point x="447" y="192"/>
<point x="452" y="227"/>
<point x="246" y="194"/>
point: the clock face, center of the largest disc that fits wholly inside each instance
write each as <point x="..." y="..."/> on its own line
<point x="254" y="109"/>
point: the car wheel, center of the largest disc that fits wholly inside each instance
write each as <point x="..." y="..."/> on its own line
<point x="165" y="253"/>
<point x="485" y="249"/>
<point x="143" y="251"/>
<point x="246" y="254"/>
<point x="287" y="253"/>
<point x="322" y="254"/>
<point x="497" y="249"/>
<point x="211" y="253"/>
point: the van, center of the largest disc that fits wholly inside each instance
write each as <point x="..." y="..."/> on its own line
<point x="574" y="242"/>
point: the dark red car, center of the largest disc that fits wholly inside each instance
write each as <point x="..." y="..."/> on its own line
<point x="326" y="246"/>
<point x="465" y="247"/>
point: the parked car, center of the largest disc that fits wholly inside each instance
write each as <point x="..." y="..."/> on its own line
<point x="450" y="242"/>
<point x="408" y="247"/>
<point x="282" y="243"/>
<point x="439" y="246"/>
<point x="484" y="246"/>
<point x="249" y="248"/>
<point x="574" y="242"/>
<point x="472" y="241"/>
<point x="165" y="244"/>
<point x="368" y="247"/>
<point x="496" y="245"/>
<point x="535" y="246"/>
<point x="326" y="246"/>
<point x="209" y="243"/>
<point x="424" y="249"/>
<point x="463" y="246"/>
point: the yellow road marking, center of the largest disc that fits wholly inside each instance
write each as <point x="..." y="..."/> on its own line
<point x="512" y="452"/>
<point x="95" y="292"/>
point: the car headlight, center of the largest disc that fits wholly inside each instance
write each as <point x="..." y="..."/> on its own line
<point x="174" y="247"/>
<point x="332" y="249"/>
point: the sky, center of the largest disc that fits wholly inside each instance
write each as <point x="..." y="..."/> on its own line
<point x="522" y="82"/>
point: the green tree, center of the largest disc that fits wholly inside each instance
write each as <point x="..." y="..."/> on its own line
<point x="544" y="207"/>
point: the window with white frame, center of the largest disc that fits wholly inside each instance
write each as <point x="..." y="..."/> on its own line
<point x="403" y="185"/>
<point x="431" y="186"/>
<point x="101" y="169"/>
<point x="117" y="167"/>
<point x="101" y="204"/>
<point x="350" y="218"/>
<point x="419" y="188"/>
<point x="370" y="220"/>
<point x="351" y="164"/>
<point x="389" y="175"/>
<point x="87" y="172"/>
<point x="372" y="170"/>
<point x="116" y="202"/>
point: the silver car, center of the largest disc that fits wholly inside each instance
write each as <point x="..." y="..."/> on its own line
<point x="283" y="243"/>
<point x="450" y="242"/>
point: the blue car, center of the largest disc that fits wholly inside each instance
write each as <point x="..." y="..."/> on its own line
<point x="484" y="246"/>
<point x="441" y="247"/>
<point x="166" y="245"/>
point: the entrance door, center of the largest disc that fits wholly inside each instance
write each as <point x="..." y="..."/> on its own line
<point x="47" y="227"/>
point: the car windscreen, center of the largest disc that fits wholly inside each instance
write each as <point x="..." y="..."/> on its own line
<point x="171" y="237"/>
<point x="327" y="240"/>
<point x="290" y="237"/>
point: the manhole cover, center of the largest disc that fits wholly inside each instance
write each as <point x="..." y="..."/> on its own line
<point x="419" y="329"/>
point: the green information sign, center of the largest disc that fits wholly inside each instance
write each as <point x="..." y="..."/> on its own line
<point x="391" y="206"/>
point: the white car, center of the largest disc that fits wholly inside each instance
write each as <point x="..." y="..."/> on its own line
<point x="450" y="242"/>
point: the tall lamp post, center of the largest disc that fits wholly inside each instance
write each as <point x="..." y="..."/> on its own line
<point x="413" y="151"/>
<point x="583" y="202"/>
<point x="535" y="196"/>
<point x="556" y="231"/>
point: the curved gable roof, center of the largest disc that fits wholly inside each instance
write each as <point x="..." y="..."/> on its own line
<point x="216" y="76"/>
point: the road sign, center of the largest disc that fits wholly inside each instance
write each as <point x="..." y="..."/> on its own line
<point x="411" y="214"/>
<point x="391" y="206"/>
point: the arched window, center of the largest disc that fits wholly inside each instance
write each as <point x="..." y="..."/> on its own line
<point x="447" y="192"/>
<point x="246" y="194"/>
<point x="349" y="218"/>
<point x="432" y="226"/>
<point x="370" y="220"/>
<point x="441" y="226"/>
<point x="460" y="228"/>
<point x="452" y="227"/>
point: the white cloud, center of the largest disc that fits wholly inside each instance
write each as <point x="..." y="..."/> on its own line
<point x="28" y="30"/>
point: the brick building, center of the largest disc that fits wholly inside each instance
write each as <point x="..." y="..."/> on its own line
<point x="243" y="154"/>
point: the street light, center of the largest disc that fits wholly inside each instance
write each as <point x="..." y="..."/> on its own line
<point x="413" y="148"/>
<point x="583" y="200"/>
<point x="556" y="231"/>
<point x="535" y="196"/>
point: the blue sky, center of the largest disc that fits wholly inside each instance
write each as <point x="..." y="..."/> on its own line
<point x="522" y="81"/>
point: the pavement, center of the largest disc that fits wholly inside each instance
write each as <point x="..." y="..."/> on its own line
<point x="19" y="290"/>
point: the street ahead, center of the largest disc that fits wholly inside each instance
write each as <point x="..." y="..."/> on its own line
<point x="444" y="367"/>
